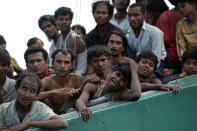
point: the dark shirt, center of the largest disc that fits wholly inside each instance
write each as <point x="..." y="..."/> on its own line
<point x="93" y="37"/>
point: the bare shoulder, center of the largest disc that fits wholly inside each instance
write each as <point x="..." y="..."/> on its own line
<point x="77" y="80"/>
<point x="47" y="81"/>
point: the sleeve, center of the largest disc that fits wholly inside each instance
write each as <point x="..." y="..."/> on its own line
<point x="1" y="117"/>
<point x="181" y="43"/>
<point x="45" y="112"/>
<point x="163" y="25"/>
<point x="158" y="47"/>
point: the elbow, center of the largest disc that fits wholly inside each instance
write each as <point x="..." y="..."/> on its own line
<point x="63" y="124"/>
<point x="135" y="97"/>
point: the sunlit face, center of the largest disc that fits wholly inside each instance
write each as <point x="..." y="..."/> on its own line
<point x="135" y="17"/>
<point x="190" y="67"/>
<point x="27" y="92"/>
<point x="62" y="64"/>
<point x="115" y="45"/>
<point x="121" y="4"/>
<point x="117" y="81"/>
<point x="64" y="23"/>
<point x="99" y="64"/>
<point x="186" y="8"/>
<point x="145" y="67"/>
<point x="101" y="14"/>
<point x="79" y="32"/>
<point x="49" y="29"/>
<point x="36" y="63"/>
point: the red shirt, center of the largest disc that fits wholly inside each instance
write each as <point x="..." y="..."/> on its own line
<point x="167" y="23"/>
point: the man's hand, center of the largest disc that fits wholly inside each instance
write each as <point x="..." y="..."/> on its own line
<point x="92" y="79"/>
<point x="20" y="127"/>
<point x="85" y="113"/>
<point x="74" y="92"/>
<point x="174" y="90"/>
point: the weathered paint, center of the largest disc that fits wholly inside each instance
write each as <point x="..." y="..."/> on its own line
<point x="155" y="111"/>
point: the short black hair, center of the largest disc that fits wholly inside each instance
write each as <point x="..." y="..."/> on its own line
<point x="32" y="50"/>
<point x="148" y="55"/>
<point x="125" y="70"/>
<point x="97" y="51"/>
<point x="139" y="5"/>
<point x="30" y="76"/>
<point x="33" y="41"/>
<point x="63" y="11"/>
<point x="63" y="51"/>
<point x="107" y="3"/>
<point x="5" y="57"/>
<point x="2" y="40"/>
<point x="189" y="54"/>
<point x="80" y="27"/>
<point x="46" y="18"/>
<point x="156" y="6"/>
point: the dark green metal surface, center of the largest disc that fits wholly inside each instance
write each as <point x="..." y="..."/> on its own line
<point x="155" y="111"/>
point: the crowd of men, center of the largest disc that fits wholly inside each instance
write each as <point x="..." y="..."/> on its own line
<point x="139" y="48"/>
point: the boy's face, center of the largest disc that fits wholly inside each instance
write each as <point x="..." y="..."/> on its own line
<point x="115" y="45"/>
<point x="145" y="67"/>
<point x="117" y="81"/>
<point x="190" y="67"/>
<point x="99" y="64"/>
<point x="186" y="8"/>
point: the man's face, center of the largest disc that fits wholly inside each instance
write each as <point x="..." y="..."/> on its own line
<point x="27" y="92"/>
<point x="135" y="17"/>
<point x="121" y="5"/>
<point x="190" y="67"/>
<point x="117" y="81"/>
<point x="62" y="64"/>
<point x="145" y="67"/>
<point x="101" y="14"/>
<point x="99" y="64"/>
<point x="115" y="45"/>
<point x="36" y="63"/>
<point x="185" y="8"/>
<point x="49" y="29"/>
<point x="3" y="69"/>
<point x="64" y="23"/>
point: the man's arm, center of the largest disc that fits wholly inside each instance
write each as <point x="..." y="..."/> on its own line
<point x="88" y="91"/>
<point x="55" y="122"/>
<point x="159" y="87"/>
<point x="134" y="93"/>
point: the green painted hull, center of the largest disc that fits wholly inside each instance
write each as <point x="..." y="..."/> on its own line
<point x="155" y="111"/>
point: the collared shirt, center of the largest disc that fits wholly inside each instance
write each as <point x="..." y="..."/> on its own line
<point x="9" y="91"/>
<point x="150" y="39"/>
<point x="167" y="23"/>
<point x="186" y="36"/>
<point x="9" y="117"/>
<point x="93" y="37"/>
<point x="123" y="24"/>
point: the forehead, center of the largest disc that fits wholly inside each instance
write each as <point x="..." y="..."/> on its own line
<point x="61" y="55"/>
<point x="45" y="23"/>
<point x="101" y="7"/>
<point x="36" y="55"/>
<point x="29" y="83"/>
<point x="146" y="59"/>
<point x="61" y="16"/>
<point x="191" y="60"/>
<point x="115" y="37"/>
<point x="135" y="10"/>
<point x="99" y="58"/>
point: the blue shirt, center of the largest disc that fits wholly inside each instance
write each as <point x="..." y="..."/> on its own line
<point x="150" y="39"/>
